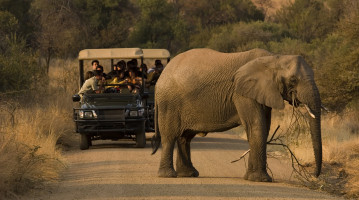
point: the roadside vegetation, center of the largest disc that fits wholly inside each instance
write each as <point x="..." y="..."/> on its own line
<point x="35" y="103"/>
<point x="35" y="126"/>
<point x="340" y="138"/>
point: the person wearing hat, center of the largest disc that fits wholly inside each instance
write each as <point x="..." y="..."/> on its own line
<point x="91" y="85"/>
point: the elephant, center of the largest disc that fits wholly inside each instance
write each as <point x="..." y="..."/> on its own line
<point x="203" y="91"/>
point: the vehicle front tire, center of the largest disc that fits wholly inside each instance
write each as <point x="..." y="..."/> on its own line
<point x="141" y="137"/>
<point x="84" y="141"/>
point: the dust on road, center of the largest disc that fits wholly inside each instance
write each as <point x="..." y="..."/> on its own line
<point x="117" y="170"/>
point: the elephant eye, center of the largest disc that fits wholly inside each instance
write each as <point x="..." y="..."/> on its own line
<point x="293" y="81"/>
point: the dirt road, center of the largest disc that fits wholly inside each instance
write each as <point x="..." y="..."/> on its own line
<point x="117" y="170"/>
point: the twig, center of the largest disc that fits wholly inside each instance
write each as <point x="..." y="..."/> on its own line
<point x="271" y="139"/>
<point x="298" y="168"/>
<point x="242" y="156"/>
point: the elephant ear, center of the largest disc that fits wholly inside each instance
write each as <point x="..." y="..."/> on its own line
<point x="257" y="81"/>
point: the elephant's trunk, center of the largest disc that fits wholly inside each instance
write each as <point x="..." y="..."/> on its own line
<point x="308" y="94"/>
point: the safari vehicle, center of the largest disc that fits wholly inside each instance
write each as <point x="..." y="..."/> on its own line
<point x="113" y="116"/>
<point x="149" y="56"/>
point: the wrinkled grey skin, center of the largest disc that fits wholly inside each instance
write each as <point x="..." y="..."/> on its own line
<point x="203" y="91"/>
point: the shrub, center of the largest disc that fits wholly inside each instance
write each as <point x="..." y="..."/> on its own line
<point x="19" y="66"/>
<point x="306" y="19"/>
<point x="31" y="128"/>
<point x="28" y="153"/>
<point x="245" y="36"/>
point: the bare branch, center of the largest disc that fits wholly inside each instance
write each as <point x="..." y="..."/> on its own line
<point x="242" y="156"/>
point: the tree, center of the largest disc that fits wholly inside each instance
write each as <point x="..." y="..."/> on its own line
<point x="66" y="26"/>
<point x="17" y="63"/>
<point x="154" y="28"/>
<point x="338" y="59"/>
<point x="306" y="19"/>
<point x="212" y="13"/>
<point x="58" y="28"/>
<point x="20" y="10"/>
<point x="105" y="23"/>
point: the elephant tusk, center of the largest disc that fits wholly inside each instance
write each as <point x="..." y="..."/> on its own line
<point x="309" y="111"/>
<point x="326" y="109"/>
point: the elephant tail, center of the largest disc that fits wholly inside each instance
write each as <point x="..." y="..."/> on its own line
<point x="156" y="138"/>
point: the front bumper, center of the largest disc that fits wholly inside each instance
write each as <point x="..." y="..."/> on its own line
<point x="108" y="122"/>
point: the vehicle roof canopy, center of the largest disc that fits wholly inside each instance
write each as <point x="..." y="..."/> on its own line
<point x="114" y="53"/>
<point x="156" y="53"/>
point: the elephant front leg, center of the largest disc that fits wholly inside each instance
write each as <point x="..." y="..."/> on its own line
<point x="257" y="163"/>
<point x="184" y="164"/>
<point x="166" y="165"/>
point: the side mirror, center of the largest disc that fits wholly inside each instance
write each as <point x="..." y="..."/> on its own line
<point x="76" y="98"/>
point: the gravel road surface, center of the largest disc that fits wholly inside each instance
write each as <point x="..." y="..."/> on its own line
<point x="117" y="170"/>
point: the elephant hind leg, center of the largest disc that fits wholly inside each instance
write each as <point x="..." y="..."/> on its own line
<point x="184" y="164"/>
<point x="166" y="165"/>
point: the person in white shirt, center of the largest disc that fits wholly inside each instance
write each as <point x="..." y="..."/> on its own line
<point x="91" y="85"/>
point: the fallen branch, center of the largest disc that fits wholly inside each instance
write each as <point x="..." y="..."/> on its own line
<point x="298" y="168"/>
<point x="245" y="153"/>
<point x="242" y="156"/>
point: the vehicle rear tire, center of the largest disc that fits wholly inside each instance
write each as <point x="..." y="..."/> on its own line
<point x="84" y="141"/>
<point x="141" y="137"/>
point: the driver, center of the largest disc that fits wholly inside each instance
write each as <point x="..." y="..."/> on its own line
<point x="91" y="85"/>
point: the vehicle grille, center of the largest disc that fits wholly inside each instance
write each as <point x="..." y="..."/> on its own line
<point x="113" y="114"/>
<point x="116" y="125"/>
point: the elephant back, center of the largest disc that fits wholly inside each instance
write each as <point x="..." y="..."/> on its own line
<point x="198" y="68"/>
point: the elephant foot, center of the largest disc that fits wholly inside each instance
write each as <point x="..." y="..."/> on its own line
<point x="187" y="172"/>
<point x="258" y="176"/>
<point x="167" y="173"/>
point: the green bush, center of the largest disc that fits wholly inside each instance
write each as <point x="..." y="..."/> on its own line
<point x="337" y="69"/>
<point x="19" y="66"/>
<point x="307" y="19"/>
<point x="244" y="36"/>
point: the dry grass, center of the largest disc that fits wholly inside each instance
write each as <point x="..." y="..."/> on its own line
<point x="340" y="134"/>
<point x="30" y="130"/>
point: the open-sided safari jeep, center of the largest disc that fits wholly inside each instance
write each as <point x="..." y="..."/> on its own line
<point x="116" y="115"/>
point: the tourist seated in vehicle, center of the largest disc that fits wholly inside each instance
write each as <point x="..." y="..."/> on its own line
<point x="135" y="63"/>
<point x="104" y="75"/>
<point x="88" y="75"/>
<point x="113" y="73"/>
<point x="131" y="65"/>
<point x="133" y="82"/>
<point x="154" y="73"/>
<point x="121" y="65"/>
<point x="142" y="70"/>
<point x="113" y="85"/>
<point x="94" y="64"/>
<point x="111" y="79"/>
<point x="92" y="85"/>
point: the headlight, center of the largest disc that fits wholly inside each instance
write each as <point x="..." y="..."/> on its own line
<point x="81" y="114"/>
<point x="88" y="114"/>
<point x="133" y="113"/>
<point x="141" y="111"/>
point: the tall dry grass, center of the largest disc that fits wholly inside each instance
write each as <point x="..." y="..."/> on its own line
<point x="340" y="138"/>
<point x="30" y="129"/>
